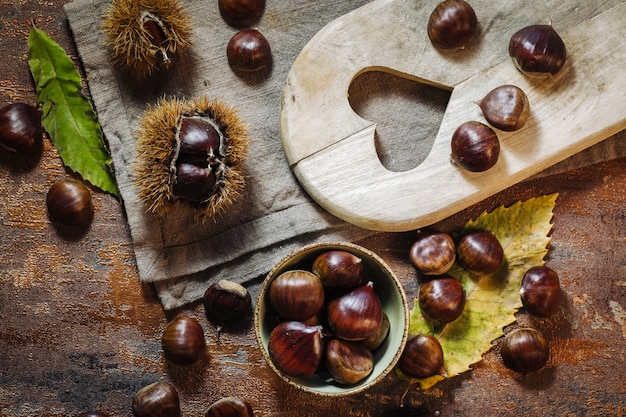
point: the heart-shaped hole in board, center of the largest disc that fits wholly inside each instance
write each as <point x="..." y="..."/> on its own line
<point x="407" y="114"/>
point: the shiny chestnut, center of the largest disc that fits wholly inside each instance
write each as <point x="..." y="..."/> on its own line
<point x="230" y="407"/>
<point x="241" y="13"/>
<point x="20" y="128"/>
<point x="422" y="357"/>
<point x="538" y="49"/>
<point x="158" y="399"/>
<point x="540" y="291"/>
<point x="356" y="315"/>
<point x="69" y="203"/>
<point x="296" y="295"/>
<point x="183" y="340"/>
<point x="525" y="350"/>
<point x="296" y="348"/>
<point x="226" y="302"/>
<point x="475" y="146"/>
<point x="432" y="253"/>
<point x="506" y="107"/>
<point x="338" y="269"/>
<point x="248" y="51"/>
<point x="480" y="252"/>
<point x="348" y="362"/>
<point x="442" y="299"/>
<point x="452" y="24"/>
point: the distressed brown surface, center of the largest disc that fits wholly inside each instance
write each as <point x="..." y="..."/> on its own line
<point x="78" y="331"/>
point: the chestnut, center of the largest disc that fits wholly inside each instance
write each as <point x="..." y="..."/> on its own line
<point x="20" y="128"/>
<point x="158" y="399"/>
<point x="296" y="295"/>
<point x="230" y="407"/>
<point x="183" y="340"/>
<point x="69" y="203"/>
<point x="348" y="362"/>
<point x="475" y="146"/>
<point x="480" y="252"/>
<point x="356" y="315"/>
<point x="537" y="49"/>
<point x="525" y="350"/>
<point x="377" y="339"/>
<point x="442" y="299"/>
<point x="540" y="291"/>
<point x="226" y="302"/>
<point x="241" y="13"/>
<point x="296" y="348"/>
<point x="451" y="24"/>
<point x="338" y="269"/>
<point x="248" y="51"/>
<point x="422" y="357"/>
<point x="433" y="253"/>
<point x="506" y="107"/>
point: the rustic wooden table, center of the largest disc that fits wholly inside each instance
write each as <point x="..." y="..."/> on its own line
<point x="79" y="332"/>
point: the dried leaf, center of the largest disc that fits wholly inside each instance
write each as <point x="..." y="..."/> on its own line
<point x="491" y="301"/>
<point x="67" y="115"/>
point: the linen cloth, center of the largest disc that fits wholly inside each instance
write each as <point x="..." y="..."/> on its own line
<point x="275" y="215"/>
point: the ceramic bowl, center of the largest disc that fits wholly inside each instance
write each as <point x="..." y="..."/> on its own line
<point x="394" y="304"/>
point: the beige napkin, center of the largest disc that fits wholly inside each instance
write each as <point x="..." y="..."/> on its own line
<point x="275" y="216"/>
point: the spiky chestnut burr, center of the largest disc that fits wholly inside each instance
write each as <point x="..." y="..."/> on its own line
<point x="145" y="35"/>
<point x="190" y="153"/>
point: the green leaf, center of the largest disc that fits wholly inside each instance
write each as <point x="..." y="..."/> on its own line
<point x="67" y="115"/>
<point x="491" y="301"/>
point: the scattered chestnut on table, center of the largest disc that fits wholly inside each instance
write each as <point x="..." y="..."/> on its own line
<point x="475" y="146"/>
<point x="537" y="49"/>
<point x="540" y="291"/>
<point x="69" y="203"/>
<point x="506" y="107"/>
<point x="241" y="13"/>
<point x="480" y="252"/>
<point x="525" y="350"/>
<point x="442" y="299"/>
<point x="432" y="253"/>
<point x="248" y="51"/>
<point x="226" y="302"/>
<point x="159" y="399"/>
<point x="20" y="128"/>
<point x="183" y="340"/>
<point x="451" y="24"/>
<point x="230" y="407"/>
<point x="422" y="357"/>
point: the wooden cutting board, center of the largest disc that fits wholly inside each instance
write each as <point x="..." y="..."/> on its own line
<point x="331" y="149"/>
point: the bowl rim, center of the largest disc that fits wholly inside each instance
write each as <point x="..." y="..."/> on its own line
<point x="331" y="245"/>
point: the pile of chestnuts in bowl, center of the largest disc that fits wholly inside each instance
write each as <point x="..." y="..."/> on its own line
<point x="331" y="319"/>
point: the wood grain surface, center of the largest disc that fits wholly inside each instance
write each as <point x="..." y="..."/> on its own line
<point x="79" y="332"/>
<point x="332" y="149"/>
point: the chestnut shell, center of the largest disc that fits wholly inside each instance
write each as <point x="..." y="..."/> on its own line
<point x="475" y="146"/>
<point x="540" y="291"/>
<point x="525" y="350"/>
<point x="452" y="24"/>
<point x="442" y="299"/>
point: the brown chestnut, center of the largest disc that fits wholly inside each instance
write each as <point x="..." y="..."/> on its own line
<point x="20" y="128"/>
<point x="480" y="252"/>
<point x="525" y="350"/>
<point x="158" y="399"/>
<point x="296" y="348"/>
<point x="338" y="269"/>
<point x="537" y="49"/>
<point x="348" y="362"/>
<point x="296" y="295"/>
<point x="356" y="315"/>
<point x="183" y="340"/>
<point x="241" y="13"/>
<point x="432" y="253"/>
<point x="377" y="339"/>
<point x="475" y="146"/>
<point x="69" y="203"/>
<point x="226" y="302"/>
<point x="248" y="51"/>
<point x="442" y="299"/>
<point x="422" y="357"/>
<point x="230" y="407"/>
<point x="540" y="291"/>
<point x="452" y="24"/>
<point x="506" y="107"/>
